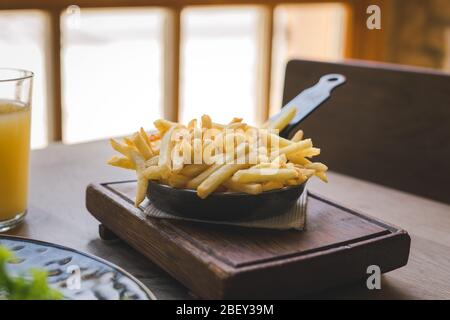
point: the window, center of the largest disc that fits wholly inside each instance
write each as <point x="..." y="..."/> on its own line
<point x="22" y="46"/>
<point x="305" y="31"/>
<point x="219" y="53"/>
<point x="112" y="63"/>
<point x="111" y="72"/>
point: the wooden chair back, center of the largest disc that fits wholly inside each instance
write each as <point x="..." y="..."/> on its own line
<point x="388" y="124"/>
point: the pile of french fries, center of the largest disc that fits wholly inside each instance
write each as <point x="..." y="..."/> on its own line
<point x="211" y="157"/>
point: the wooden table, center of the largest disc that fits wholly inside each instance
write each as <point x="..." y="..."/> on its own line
<point x="60" y="174"/>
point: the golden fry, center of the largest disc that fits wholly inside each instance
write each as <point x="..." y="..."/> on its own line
<point x="192" y="124"/>
<point x="145" y="137"/>
<point x="265" y="174"/>
<point x="218" y="126"/>
<point x="294" y="147"/>
<point x="305" y="172"/>
<point x="208" y="152"/>
<point x="195" y="182"/>
<point x="177" y="180"/>
<point x="128" y="142"/>
<point x="142" y="183"/>
<point x="262" y="165"/>
<point x="276" y="141"/>
<point x="219" y="157"/>
<point x="272" y="185"/>
<point x="283" y="120"/>
<point x="236" y="126"/>
<point x="298" y="136"/>
<point x="217" y="178"/>
<point x="291" y="182"/>
<point x="165" y="153"/>
<point x="192" y="170"/>
<point x="142" y="146"/>
<point x="154" y="137"/>
<point x="206" y="121"/>
<point x="153" y="161"/>
<point x="163" y="125"/>
<point x="251" y="188"/>
<point x="281" y="160"/>
<point x="152" y="173"/>
<point x="156" y="144"/>
<point x="125" y="150"/>
<point x="298" y="159"/>
<point x="322" y="176"/>
<point x="318" y="166"/>
<point x="310" y="152"/>
<point x="235" y="120"/>
<point x="122" y="162"/>
<point x="197" y="146"/>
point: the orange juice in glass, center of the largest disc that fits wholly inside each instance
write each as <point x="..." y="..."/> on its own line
<point x="15" y="118"/>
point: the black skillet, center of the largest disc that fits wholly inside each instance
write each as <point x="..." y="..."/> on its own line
<point x="230" y="206"/>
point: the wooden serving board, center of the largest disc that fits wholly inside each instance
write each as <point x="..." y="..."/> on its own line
<point x="234" y="262"/>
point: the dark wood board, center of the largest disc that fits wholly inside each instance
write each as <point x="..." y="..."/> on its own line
<point x="233" y="262"/>
<point x="387" y="124"/>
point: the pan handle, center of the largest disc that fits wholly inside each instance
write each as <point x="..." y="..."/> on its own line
<point x="308" y="101"/>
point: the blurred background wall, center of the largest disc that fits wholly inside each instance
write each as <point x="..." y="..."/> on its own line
<point x="420" y="34"/>
<point x="106" y="67"/>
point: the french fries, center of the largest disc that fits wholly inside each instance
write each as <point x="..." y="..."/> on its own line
<point x="251" y="188"/>
<point x="123" y="149"/>
<point x="265" y="175"/>
<point x="142" y="182"/>
<point x="142" y="146"/>
<point x="298" y="136"/>
<point x="195" y="182"/>
<point x="272" y="185"/>
<point x="211" y="157"/>
<point x="153" y="161"/>
<point x="193" y="170"/>
<point x="283" y="119"/>
<point x="165" y="152"/>
<point x="217" y="178"/>
<point x="122" y="162"/>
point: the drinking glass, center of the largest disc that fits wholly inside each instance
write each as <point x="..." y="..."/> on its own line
<point x="15" y="119"/>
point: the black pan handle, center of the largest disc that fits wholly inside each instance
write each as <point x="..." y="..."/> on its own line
<point x="308" y="101"/>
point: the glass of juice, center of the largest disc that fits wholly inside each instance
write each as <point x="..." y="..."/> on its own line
<point x="15" y="120"/>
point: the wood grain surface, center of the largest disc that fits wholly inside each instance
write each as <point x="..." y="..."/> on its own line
<point x="218" y="262"/>
<point x="60" y="174"/>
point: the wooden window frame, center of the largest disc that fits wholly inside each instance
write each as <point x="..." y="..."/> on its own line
<point x="172" y="41"/>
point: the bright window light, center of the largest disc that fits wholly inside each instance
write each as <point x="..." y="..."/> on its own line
<point x="305" y="31"/>
<point x="112" y="60"/>
<point x="219" y="57"/>
<point x="22" y="47"/>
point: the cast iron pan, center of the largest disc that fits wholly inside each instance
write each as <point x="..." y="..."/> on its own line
<point x="232" y="206"/>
